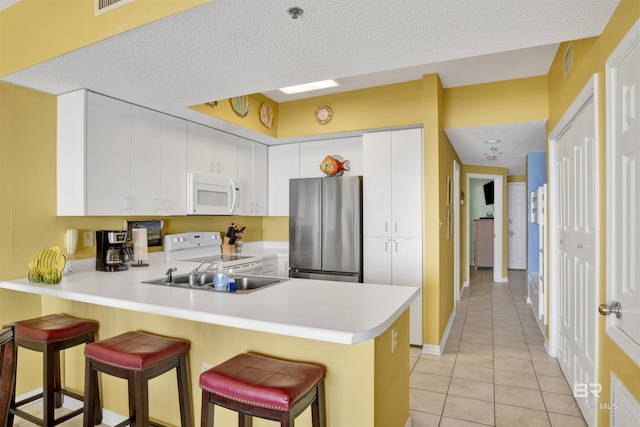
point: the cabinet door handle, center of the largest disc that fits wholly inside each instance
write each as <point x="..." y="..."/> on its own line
<point x="218" y="168"/>
<point x="126" y="205"/>
<point x="396" y="246"/>
<point x="396" y="226"/>
<point x="385" y="227"/>
<point x="386" y="242"/>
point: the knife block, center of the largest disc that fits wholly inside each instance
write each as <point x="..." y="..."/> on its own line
<point x="226" y="247"/>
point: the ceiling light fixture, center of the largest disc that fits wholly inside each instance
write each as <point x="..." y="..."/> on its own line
<point x="492" y="141"/>
<point x="494" y="154"/>
<point x="307" y="87"/>
<point x="295" y="12"/>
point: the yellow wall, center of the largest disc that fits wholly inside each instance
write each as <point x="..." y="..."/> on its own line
<point x="509" y="101"/>
<point x="589" y="57"/>
<point x="33" y="31"/>
<point x="224" y="111"/>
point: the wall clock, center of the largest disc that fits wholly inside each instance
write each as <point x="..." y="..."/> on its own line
<point x="323" y="114"/>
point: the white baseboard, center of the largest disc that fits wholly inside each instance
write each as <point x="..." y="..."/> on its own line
<point x="437" y="350"/>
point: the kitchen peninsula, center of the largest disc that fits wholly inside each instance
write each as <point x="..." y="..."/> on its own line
<point x="359" y="333"/>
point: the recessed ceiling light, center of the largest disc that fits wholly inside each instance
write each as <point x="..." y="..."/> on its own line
<point x="491" y="157"/>
<point x="307" y="87"/>
<point x="492" y="141"/>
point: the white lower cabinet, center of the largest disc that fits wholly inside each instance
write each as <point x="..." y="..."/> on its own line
<point x="270" y="266"/>
<point x="397" y="261"/>
<point x="283" y="266"/>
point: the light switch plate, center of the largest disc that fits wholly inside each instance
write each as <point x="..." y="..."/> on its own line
<point x="88" y="239"/>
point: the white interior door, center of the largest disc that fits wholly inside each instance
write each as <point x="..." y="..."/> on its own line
<point x="623" y="193"/>
<point x="517" y="237"/>
<point x="576" y="249"/>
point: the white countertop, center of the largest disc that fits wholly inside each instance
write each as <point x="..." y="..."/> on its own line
<point x="346" y="313"/>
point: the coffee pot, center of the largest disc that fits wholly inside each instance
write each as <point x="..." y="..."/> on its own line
<point x="111" y="251"/>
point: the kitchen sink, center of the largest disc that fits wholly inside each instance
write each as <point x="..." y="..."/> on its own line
<point x="244" y="284"/>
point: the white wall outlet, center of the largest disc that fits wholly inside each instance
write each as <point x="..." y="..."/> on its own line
<point x="394" y="339"/>
<point x="88" y="239"/>
<point x="206" y="366"/>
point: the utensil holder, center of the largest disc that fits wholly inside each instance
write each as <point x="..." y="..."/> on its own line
<point x="226" y="247"/>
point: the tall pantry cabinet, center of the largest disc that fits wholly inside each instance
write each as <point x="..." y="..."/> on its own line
<point x="392" y="220"/>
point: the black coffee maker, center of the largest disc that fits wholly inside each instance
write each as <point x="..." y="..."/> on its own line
<point x="111" y="252"/>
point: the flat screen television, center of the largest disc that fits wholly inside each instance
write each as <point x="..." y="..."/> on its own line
<point x="488" y="193"/>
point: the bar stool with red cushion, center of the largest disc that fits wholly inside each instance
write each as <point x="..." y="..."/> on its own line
<point x="259" y="386"/>
<point x="138" y="357"/>
<point x="49" y="335"/>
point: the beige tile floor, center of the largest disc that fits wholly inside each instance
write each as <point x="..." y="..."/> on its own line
<point x="494" y="370"/>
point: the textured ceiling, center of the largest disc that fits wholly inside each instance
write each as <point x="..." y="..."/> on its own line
<point x="227" y="48"/>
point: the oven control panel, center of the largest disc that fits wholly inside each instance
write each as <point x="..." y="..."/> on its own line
<point x="192" y="240"/>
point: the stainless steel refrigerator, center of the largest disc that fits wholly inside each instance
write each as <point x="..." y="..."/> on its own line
<point x="325" y="228"/>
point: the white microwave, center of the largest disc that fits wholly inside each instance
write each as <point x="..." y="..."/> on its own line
<point x="211" y="195"/>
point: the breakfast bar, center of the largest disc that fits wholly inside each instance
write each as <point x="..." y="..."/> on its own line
<point x="359" y="333"/>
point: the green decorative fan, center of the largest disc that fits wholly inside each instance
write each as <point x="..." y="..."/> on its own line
<point x="241" y="105"/>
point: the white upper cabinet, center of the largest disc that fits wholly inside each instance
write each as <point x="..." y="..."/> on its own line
<point x="146" y="161"/>
<point x="376" y="184"/>
<point x="406" y="183"/>
<point x="393" y="183"/>
<point x="211" y="151"/>
<point x="119" y="159"/>
<point x="283" y="165"/>
<point x="260" y="179"/>
<point x="350" y="149"/>
<point x="311" y="155"/>
<point x="108" y="156"/>
<point x="302" y="160"/>
<point x="225" y="155"/>
<point x="200" y="148"/>
<point x="174" y="165"/>
<point x="252" y="177"/>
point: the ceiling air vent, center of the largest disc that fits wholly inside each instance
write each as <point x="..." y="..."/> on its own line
<point x="104" y="6"/>
<point x="568" y="59"/>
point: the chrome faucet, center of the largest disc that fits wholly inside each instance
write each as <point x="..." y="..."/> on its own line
<point x="169" y="274"/>
<point x="194" y="275"/>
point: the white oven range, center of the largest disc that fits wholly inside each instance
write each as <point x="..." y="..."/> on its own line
<point x="204" y="247"/>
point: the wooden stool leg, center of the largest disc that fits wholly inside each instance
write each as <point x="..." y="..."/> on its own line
<point x="131" y="386"/>
<point x="206" y="416"/>
<point x="57" y="379"/>
<point x="184" y="392"/>
<point x="319" y="402"/>
<point x="244" y="420"/>
<point x="48" y="388"/>
<point x="141" y="380"/>
<point x="90" y="388"/>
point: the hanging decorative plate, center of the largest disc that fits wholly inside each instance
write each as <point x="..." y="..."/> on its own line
<point x="241" y="105"/>
<point x="266" y="115"/>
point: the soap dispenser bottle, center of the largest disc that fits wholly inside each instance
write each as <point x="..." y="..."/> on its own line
<point x="220" y="280"/>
